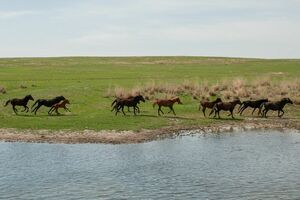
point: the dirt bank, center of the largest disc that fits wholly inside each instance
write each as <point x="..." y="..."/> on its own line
<point x="125" y="137"/>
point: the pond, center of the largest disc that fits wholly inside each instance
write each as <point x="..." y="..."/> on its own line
<point x="246" y="165"/>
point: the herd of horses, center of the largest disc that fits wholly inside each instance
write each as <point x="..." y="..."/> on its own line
<point x="264" y="105"/>
<point x="54" y="104"/>
<point x="118" y="105"/>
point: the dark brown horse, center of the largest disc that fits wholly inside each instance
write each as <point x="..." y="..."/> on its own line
<point x="46" y="102"/>
<point x="208" y="104"/>
<point x="20" y="102"/>
<point x="129" y="102"/>
<point x="226" y="106"/>
<point x="115" y="103"/>
<point x="252" y="104"/>
<point x="278" y="105"/>
<point x="166" y="103"/>
<point x="56" y="106"/>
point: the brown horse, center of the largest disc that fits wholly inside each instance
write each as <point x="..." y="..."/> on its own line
<point x="208" y="104"/>
<point x="117" y="100"/>
<point x="278" y="105"/>
<point x="129" y="102"/>
<point x="56" y="106"/>
<point x="20" y="102"/>
<point x="227" y="106"/>
<point x="166" y="103"/>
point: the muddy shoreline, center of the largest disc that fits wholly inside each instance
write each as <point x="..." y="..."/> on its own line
<point x="126" y="137"/>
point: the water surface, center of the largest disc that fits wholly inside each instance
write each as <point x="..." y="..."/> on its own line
<point x="249" y="165"/>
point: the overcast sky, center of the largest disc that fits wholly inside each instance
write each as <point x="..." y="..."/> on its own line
<point x="238" y="28"/>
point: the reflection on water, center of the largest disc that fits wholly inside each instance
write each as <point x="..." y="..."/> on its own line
<point x="251" y="165"/>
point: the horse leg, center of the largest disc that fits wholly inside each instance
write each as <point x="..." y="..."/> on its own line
<point x="265" y="113"/>
<point x="27" y="109"/>
<point x="24" y="109"/>
<point x="159" y="110"/>
<point x="173" y="110"/>
<point x="128" y="108"/>
<point x="51" y="109"/>
<point x="281" y="114"/>
<point x="211" y="112"/>
<point x="242" y="110"/>
<point x="134" y="110"/>
<point x="15" y="110"/>
<point x="253" y="111"/>
<point x="67" y="109"/>
<point x="56" y="110"/>
<point x="170" y="109"/>
<point x="36" y="109"/>
<point x="231" y="111"/>
<point x="123" y="110"/>
<point x="203" y="110"/>
<point x="219" y="114"/>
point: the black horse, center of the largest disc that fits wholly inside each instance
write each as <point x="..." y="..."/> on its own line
<point x="252" y="104"/>
<point x="20" y="102"/>
<point x="129" y="102"/>
<point x="278" y="105"/>
<point x="46" y="102"/>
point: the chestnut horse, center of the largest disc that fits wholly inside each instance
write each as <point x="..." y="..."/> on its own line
<point x="252" y="104"/>
<point x="20" y="102"/>
<point x="278" y="105"/>
<point x="166" y="103"/>
<point x="227" y="106"/>
<point x="129" y="102"/>
<point x="56" y="106"/>
<point x="208" y="104"/>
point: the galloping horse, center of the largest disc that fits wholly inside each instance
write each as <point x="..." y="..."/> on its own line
<point x="252" y="104"/>
<point x="59" y="105"/>
<point x="227" y="106"/>
<point x="129" y="102"/>
<point x="166" y="103"/>
<point x="208" y="104"/>
<point x="115" y="107"/>
<point x="46" y="102"/>
<point x="278" y="105"/>
<point x="20" y="102"/>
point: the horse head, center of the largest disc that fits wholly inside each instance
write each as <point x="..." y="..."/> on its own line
<point x="218" y="100"/>
<point x="29" y="97"/>
<point x="140" y="98"/>
<point x="60" y="98"/>
<point x="178" y="100"/>
<point x="237" y="101"/>
<point x="287" y="100"/>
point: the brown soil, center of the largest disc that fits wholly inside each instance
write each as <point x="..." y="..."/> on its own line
<point x="125" y="137"/>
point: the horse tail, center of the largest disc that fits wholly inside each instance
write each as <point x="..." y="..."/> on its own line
<point x="35" y="103"/>
<point x="7" y="103"/>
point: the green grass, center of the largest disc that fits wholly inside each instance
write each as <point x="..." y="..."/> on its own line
<point x="85" y="80"/>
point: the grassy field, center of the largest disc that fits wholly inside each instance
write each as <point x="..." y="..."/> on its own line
<point x="89" y="82"/>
